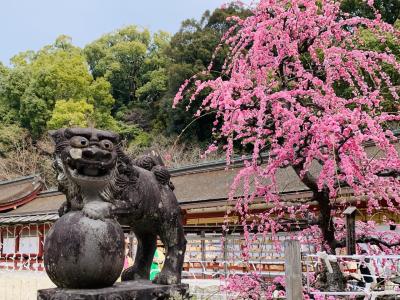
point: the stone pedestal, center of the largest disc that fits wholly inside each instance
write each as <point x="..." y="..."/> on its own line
<point x="128" y="290"/>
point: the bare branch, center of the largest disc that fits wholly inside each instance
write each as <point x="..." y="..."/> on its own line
<point x="378" y="242"/>
<point x="370" y="240"/>
<point x="388" y="173"/>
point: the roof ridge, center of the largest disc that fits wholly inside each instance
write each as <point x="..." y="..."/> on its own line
<point x="49" y="192"/>
<point x="18" y="179"/>
<point x="25" y="214"/>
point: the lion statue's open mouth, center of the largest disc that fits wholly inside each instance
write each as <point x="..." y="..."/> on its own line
<point x="79" y="167"/>
<point x="88" y="157"/>
<point x="88" y="170"/>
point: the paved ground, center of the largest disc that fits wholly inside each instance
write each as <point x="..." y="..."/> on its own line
<point x="22" y="285"/>
<point x="204" y="289"/>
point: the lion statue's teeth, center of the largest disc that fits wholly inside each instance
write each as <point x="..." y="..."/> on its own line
<point x="75" y="153"/>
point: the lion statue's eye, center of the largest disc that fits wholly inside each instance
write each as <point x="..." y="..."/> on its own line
<point x="79" y="142"/>
<point x="106" y="144"/>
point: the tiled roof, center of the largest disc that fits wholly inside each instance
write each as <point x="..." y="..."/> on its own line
<point x="34" y="218"/>
<point x="210" y="184"/>
<point x="42" y="209"/>
<point x="45" y="202"/>
<point x="196" y="186"/>
<point x="14" y="193"/>
<point x="193" y="188"/>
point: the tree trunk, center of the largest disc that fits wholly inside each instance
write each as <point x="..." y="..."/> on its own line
<point x="334" y="281"/>
<point x="325" y="221"/>
<point x="330" y="281"/>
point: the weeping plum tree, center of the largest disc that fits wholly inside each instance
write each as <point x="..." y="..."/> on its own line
<point x="299" y="85"/>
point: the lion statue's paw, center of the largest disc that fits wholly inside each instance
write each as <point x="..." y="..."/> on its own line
<point x="97" y="210"/>
<point x="166" y="278"/>
<point x="132" y="273"/>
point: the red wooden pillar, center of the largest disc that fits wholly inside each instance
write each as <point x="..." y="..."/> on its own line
<point x="203" y="252"/>
<point x="17" y="230"/>
<point x="41" y="231"/>
<point x="39" y="258"/>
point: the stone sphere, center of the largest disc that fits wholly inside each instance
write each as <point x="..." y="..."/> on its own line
<point x="80" y="252"/>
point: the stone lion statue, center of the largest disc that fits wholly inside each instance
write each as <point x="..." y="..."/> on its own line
<point x="101" y="181"/>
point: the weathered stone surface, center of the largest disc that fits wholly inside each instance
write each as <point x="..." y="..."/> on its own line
<point x="102" y="182"/>
<point x="84" y="253"/>
<point x="129" y="290"/>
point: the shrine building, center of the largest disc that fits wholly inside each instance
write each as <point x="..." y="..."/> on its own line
<point x="28" y="210"/>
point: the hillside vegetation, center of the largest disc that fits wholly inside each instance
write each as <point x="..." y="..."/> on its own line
<point x="123" y="81"/>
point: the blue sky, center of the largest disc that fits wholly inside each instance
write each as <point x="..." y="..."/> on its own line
<point x="31" y="24"/>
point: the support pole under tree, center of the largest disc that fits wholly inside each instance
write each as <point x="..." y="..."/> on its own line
<point x="225" y="254"/>
<point x="294" y="285"/>
<point x="350" y="214"/>
<point x="203" y="251"/>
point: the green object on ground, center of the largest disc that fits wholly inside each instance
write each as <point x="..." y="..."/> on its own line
<point x="155" y="268"/>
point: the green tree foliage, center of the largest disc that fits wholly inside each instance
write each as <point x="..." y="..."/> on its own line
<point x="125" y="80"/>
<point x="367" y="40"/>
<point x="191" y="51"/>
<point x="134" y="63"/>
<point x="154" y="82"/>
<point x="389" y="9"/>
<point x="119" y="57"/>
<point x="13" y="85"/>
<point x="3" y="71"/>
<point x="71" y="113"/>
<point x="11" y="137"/>
<point x="58" y="73"/>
